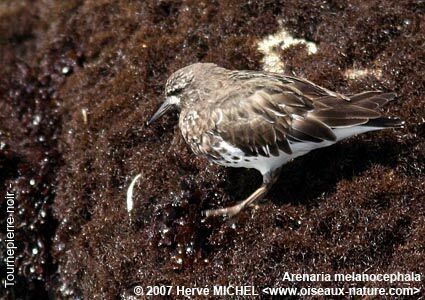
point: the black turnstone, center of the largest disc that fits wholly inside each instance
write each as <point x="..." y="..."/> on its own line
<point x="263" y="120"/>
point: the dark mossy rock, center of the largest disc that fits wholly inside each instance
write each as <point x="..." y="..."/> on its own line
<point x="79" y="80"/>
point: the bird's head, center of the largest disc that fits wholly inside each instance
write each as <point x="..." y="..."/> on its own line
<point x="180" y="89"/>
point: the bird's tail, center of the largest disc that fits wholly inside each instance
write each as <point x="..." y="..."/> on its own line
<point x="374" y="100"/>
<point x="385" y="122"/>
<point x="361" y="109"/>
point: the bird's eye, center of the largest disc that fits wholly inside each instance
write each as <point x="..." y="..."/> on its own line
<point x="175" y="91"/>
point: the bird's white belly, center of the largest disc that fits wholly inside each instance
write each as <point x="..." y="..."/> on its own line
<point x="265" y="163"/>
<point x="235" y="157"/>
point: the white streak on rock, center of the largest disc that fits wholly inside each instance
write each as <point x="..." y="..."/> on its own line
<point x="84" y="113"/>
<point x="130" y="193"/>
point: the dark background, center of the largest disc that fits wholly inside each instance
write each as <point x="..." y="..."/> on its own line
<point x="357" y="206"/>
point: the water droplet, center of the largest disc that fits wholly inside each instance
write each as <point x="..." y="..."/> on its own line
<point x="65" y="70"/>
<point x="34" y="251"/>
<point x="32" y="182"/>
<point x="36" y="120"/>
<point x="189" y="250"/>
<point x="61" y="246"/>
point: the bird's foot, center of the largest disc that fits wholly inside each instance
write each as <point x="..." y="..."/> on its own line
<point x="227" y="211"/>
<point x="268" y="180"/>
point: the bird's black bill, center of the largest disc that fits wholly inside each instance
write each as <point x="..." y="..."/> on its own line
<point x="166" y="106"/>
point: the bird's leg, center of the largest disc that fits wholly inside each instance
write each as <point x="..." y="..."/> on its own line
<point x="268" y="180"/>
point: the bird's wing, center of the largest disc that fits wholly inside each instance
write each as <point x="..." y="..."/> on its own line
<point x="263" y="117"/>
<point x="270" y="112"/>
<point x="266" y="121"/>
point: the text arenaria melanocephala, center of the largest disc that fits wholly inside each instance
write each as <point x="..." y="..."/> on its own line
<point x="262" y="120"/>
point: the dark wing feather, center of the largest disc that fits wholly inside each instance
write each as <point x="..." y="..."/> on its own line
<point x="291" y="99"/>
<point x="345" y="112"/>
<point x="314" y="128"/>
<point x="371" y="94"/>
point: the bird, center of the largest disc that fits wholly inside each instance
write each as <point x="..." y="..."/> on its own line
<point x="263" y="120"/>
